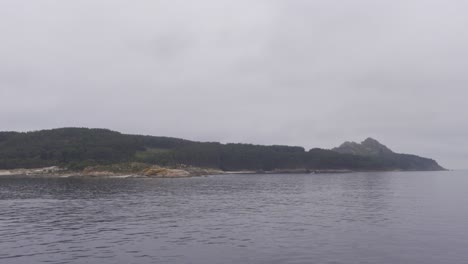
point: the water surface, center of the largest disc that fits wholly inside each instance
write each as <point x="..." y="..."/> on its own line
<point x="394" y="217"/>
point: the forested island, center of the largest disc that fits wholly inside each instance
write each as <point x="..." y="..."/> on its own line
<point x="91" y="150"/>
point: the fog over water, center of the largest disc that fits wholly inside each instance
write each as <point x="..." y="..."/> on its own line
<point x="308" y="73"/>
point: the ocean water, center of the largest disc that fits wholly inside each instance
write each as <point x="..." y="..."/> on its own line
<point x="391" y="217"/>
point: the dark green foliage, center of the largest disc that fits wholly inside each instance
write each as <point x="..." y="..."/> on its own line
<point x="237" y="156"/>
<point x="6" y="135"/>
<point x="77" y="148"/>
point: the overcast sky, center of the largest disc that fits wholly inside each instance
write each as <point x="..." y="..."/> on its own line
<point x="312" y="73"/>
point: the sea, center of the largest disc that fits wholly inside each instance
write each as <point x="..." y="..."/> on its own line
<point x="371" y="217"/>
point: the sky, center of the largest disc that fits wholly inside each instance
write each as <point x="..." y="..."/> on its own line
<point x="311" y="73"/>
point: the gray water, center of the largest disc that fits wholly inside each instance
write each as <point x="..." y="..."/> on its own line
<point x="413" y="217"/>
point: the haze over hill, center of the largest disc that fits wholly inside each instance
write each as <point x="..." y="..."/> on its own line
<point x="78" y="148"/>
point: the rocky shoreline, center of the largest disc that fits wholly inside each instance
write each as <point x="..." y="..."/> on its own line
<point x="112" y="171"/>
<point x="139" y="170"/>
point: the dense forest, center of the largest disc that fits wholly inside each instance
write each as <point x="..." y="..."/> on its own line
<point x="77" y="148"/>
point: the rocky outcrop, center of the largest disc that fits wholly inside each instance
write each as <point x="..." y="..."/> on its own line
<point x="386" y="159"/>
<point x="179" y="172"/>
<point x="119" y="170"/>
<point x="368" y="147"/>
<point x="165" y="173"/>
<point x="37" y="171"/>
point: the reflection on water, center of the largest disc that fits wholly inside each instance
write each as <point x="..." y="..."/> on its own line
<point x="337" y="218"/>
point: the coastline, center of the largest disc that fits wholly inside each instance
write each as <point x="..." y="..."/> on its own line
<point x="148" y="171"/>
<point x="93" y="172"/>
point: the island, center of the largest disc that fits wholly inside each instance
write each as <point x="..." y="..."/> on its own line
<point x="80" y="152"/>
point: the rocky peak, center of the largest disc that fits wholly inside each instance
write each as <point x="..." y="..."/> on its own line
<point x="370" y="141"/>
<point x="368" y="147"/>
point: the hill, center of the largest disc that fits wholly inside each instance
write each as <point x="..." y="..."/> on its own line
<point x="374" y="149"/>
<point x="369" y="147"/>
<point x="78" y="148"/>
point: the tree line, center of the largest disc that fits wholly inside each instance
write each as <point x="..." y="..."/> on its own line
<point x="77" y="148"/>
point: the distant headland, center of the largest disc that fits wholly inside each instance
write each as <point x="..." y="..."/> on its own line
<point x="102" y="152"/>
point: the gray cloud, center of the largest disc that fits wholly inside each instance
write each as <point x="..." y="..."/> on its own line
<point x="309" y="73"/>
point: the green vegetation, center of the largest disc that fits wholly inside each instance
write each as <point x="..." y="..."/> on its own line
<point x="78" y="148"/>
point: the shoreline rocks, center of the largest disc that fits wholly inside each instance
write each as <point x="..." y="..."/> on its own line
<point x="142" y="170"/>
<point x="165" y="173"/>
<point x="133" y="170"/>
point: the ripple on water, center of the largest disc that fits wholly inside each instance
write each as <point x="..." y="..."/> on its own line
<point x="352" y="218"/>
